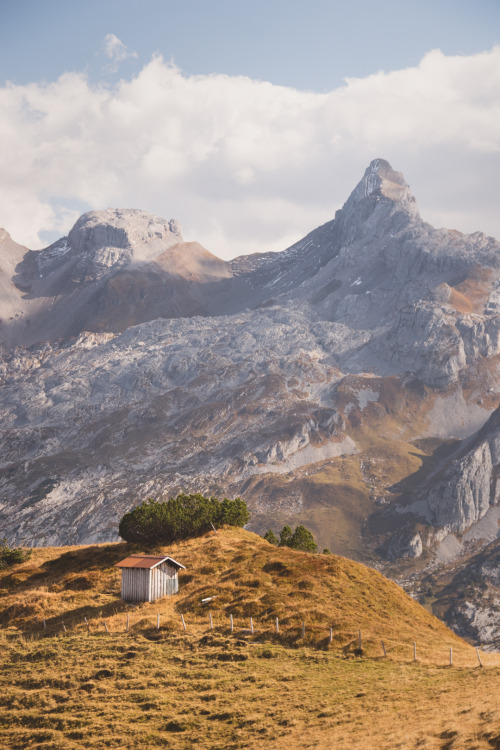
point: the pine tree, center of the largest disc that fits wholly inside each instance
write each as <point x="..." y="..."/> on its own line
<point x="271" y="537"/>
<point x="179" y="518"/>
<point x="285" y="536"/>
<point x="303" y="539"/>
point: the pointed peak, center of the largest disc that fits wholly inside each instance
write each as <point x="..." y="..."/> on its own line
<point x="382" y="181"/>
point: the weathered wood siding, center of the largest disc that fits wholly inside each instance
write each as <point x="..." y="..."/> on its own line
<point x="145" y="585"/>
<point x="164" y="581"/>
<point x="136" y="585"/>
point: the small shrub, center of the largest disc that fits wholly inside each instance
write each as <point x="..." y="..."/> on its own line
<point x="276" y="566"/>
<point x="175" y="726"/>
<point x="267" y="654"/>
<point x="12" y="556"/>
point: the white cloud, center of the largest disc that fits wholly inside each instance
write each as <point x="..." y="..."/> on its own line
<point x="245" y="165"/>
<point x="116" y="52"/>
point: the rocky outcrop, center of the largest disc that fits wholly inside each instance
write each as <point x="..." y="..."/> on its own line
<point x="116" y="268"/>
<point x="143" y="234"/>
<point x="406" y="543"/>
<point x="140" y="364"/>
<point x="464" y="492"/>
<point x="472" y="598"/>
<point x="460" y="491"/>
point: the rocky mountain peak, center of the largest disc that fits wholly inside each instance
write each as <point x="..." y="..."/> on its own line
<point x="382" y="181"/>
<point x="381" y="202"/>
<point x="126" y="229"/>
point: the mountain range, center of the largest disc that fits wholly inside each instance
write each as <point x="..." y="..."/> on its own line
<point x="350" y="382"/>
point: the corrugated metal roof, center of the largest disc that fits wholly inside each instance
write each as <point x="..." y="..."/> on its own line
<point x="146" y="561"/>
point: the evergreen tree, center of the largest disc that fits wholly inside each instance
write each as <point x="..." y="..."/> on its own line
<point x="285" y="536"/>
<point x="233" y="512"/>
<point x="179" y="518"/>
<point x="271" y="537"/>
<point x="303" y="539"/>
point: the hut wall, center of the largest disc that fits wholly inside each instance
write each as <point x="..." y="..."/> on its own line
<point x="164" y="581"/>
<point x="136" y="585"/>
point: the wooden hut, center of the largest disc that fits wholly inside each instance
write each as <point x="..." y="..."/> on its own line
<point x="149" y="577"/>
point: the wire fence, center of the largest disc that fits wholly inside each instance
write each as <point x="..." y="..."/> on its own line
<point x="351" y="644"/>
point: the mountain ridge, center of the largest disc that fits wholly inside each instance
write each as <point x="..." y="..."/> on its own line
<point x="321" y="383"/>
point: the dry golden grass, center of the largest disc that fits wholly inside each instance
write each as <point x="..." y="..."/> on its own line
<point x="125" y="691"/>
<point x="150" y="688"/>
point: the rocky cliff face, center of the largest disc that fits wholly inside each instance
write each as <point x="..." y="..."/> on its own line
<point x="462" y="490"/>
<point x="316" y="382"/>
<point x="116" y="268"/>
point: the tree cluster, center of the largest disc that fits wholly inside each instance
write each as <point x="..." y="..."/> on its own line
<point x="179" y="518"/>
<point x="301" y="538"/>
<point x="12" y="556"/>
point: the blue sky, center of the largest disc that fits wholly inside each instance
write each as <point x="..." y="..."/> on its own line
<point x="306" y="44"/>
<point x="348" y="82"/>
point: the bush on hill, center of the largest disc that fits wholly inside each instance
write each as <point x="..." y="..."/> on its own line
<point x="10" y="556"/>
<point x="271" y="537"/>
<point x="301" y="538"/>
<point x="179" y="518"/>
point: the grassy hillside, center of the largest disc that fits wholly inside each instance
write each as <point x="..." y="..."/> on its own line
<point x="149" y="688"/>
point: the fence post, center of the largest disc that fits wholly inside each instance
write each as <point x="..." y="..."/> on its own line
<point x="451" y="656"/>
<point x="87" y="624"/>
<point x="251" y="624"/>
<point x="277" y="625"/>
<point x="360" y="642"/>
<point x="331" y="636"/>
<point x="158" y="621"/>
<point x="127" y="622"/>
<point x="183" y="623"/>
<point x="303" y="629"/>
<point x="383" y="647"/>
<point x="414" y="651"/>
<point x="44" y="624"/>
<point x="231" y="623"/>
<point x="211" y="623"/>
<point x="478" y="657"/>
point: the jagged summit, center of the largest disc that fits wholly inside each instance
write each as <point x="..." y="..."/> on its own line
<point x="381" y="182"/>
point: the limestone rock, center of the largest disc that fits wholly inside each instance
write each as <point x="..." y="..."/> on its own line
<point x="406" y="543"/>
<point x="464" y="492"/>
<point x="136" y="363"/>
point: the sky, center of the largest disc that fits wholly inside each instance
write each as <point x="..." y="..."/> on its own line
<point x="250" y="123"/>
